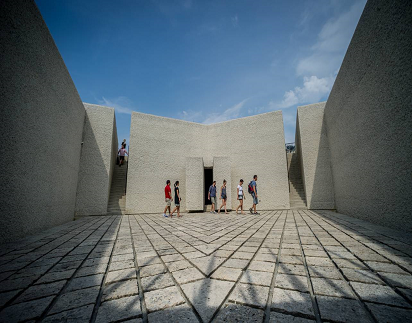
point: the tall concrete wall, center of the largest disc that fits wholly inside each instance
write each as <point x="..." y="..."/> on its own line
<point x="369" y="118"/>
<point x="159" y="148"/>
<point x="194" y="192"/>
<point x="98" y="157"/>
<point x="41" y="126"/>
<point x="313" y="151"/>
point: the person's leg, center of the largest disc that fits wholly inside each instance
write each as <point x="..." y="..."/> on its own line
<point x="241" y="207"/>
<point x="173" y="211"/>
<point x="225" y="206"/>
<point x="178" y="211"/>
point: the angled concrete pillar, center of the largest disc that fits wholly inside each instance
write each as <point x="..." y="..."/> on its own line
<point x="221" y="171"/>
<point x="194" y="184"/>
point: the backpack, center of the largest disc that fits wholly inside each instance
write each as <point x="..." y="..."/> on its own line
<point x="250" y="188"/>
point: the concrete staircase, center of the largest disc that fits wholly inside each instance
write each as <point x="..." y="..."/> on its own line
<point x="117" y="199"/>
<point x="297" y="195"/>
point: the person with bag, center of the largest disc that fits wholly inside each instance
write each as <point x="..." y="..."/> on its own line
<point x="240" y="197"/>
<point x="177" y="200"/>
<point x="252" y="189"/>
<point x="223" y="196"/>
<point x="212" y="196"/>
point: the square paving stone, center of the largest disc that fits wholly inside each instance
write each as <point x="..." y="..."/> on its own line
<point x="194" y="254"/>
<point x="252" y="295"/>
<point x="389" y="314"/>
<point x="93" y="270"/>
<point x="119" y="265"/>
<point x="292" y="269"/>
<point x="207" y="295"/>
<point x="170" y="258"/>
<point x="222" y="253"/>
<point x="256" y="278"/>
<point x="187" y="275"/>
<point x="152" y="270"/>
<point x="79" y="314"/>
<point x="379" y="294"/>
<point x="178" y="265"/>
<point x="118" y="275"/>
<point x="207" y="264"/>
<point x="5" y="297"/>
<point x="25" y="311"/>
<point x="350" y="263"/>
<point x="75" y="299"/>
<point x="96" y="261"/>
<point x="363" y="276"/>
<point x="239" y="313"/>
<point x="386" y="267"/>
<point x="318" y="261"/>
<point x="291" y="252"/>
<point x="52" y="277"/>
<point x="292" y="302"/>
<point x="181" y="313"/>
<point x="225" y="273"/>
<point x="324" y="272"/>
<point x="262" y="266"/>
<point x="119" y="309"/>
<point x="156" y="282"/>
<point x="124" y="257"/>
<point x="42" y="290"/>
<point x="331" y="287"/>
<point x="291" y="259"/>
<point x="284" y="318"/>
<point x="316" y="253"/>
<point x="148" y="261"/>
<point x="120" y="289"/>
<point x="294" y="282"/>
<point x="66" y="266"/>
<point x="398" y="280"/>
<point x="242" y="255"/>
<point x="406" y="293"/>
<point x="163" y="298"/>
<point x="341" y="310"/>
<point x="268" y="257"/>
<point x="85" y="282"/>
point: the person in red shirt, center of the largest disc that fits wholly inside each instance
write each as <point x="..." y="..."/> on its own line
<point x="168" y="198"/>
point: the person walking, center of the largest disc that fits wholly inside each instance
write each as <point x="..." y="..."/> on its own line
<point x="254" y="195"/>
<point x="212" y="196"/>
<point x="168" y="198"/>
<point x="122" y="151"/>
<point x="240" y="197"/>
<point x="223" y="196"/>
<point x="177" y="200"/>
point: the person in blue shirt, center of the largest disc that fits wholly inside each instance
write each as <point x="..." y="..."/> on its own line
<point x="212" y="196"/>
<point x="254" y="195"/>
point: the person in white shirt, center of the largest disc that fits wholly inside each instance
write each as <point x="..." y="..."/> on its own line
<point x="240" y="197"/>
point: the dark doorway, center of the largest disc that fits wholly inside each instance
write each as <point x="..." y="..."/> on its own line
<point x="208" y="182"/>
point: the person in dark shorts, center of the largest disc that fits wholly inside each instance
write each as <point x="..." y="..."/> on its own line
<point x="212" y="196"/>
<point x="177" y="200"/>
<point x="223" y="196"/>
<point x="168" y="198"/>
<point x="254" y="195"/>
<point x="240" y="197"/>
<point x="122" y="151"/>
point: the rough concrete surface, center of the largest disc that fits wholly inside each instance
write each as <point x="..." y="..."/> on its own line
<point x="98" y="157"/>
<point x="41" y="126"/>
<point x="369" y="118"/>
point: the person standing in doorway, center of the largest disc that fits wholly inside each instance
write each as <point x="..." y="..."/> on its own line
<point x="223" y="196"/>
<point x="177" y="200"/>
<point x="212" y="196"/>
<point x="122" y="151"/>
<point x="168" y="198"/>
<point x="240" y="197"/>
<point x="254" y="195"/>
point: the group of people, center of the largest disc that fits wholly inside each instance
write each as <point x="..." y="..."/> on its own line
<point x="252" y="189"/>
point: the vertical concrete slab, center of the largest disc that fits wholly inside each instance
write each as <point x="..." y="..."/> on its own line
<point x="41" y="126"/>
<point x="194" y="184"/>
<point x="313" y="151"/>
<point x="222" y="170"/>
<point x="97" y="160"/>
<point x="369" y="118"/>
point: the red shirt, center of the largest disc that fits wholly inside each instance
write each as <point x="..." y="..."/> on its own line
<point x="168" y="192"/>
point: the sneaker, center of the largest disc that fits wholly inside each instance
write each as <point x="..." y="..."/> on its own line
<point x="214" y="212"/>
<point x="165" y="215"/>
<point x="256" y="213"/>
<point x="211" y="212"/>
<point x="250" y="210"/>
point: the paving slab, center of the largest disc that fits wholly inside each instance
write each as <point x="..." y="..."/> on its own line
<point x="119" y="309"/>
<point x="284" y="318"/>
<point x="398" y="280"/>
<point x="252" y="295"/>
<point x="181" y="313"/>
<point x="178" y="265"/>
<point x="389" y="314"/>
<point x="120" y="289"/>
<point x="292" y="302"/>
<point x="331" y="287"/>
<point x="38" y="291"/>
<point x="239" y="313"/>
<point x="156" y="282"/>
<point x="363" y="276"/>
<point x="75" y="299"/>
<point x="187" y="275"/>
<point x="256" y="278"/>
<point x="163" y="298"/>
<point x="225" y="273"/>
<point x="293" y="282"/>
<point x="379" y="294"/>
<point x="118" y="275"/>
<point x="236" y="263"/>
<point x="26" y="310"/>
<point x="79" y="314"/>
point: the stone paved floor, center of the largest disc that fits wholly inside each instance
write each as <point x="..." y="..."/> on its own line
<point x="280" y="266"/>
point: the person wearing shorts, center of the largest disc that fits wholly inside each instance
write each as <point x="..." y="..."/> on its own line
<point x="122" y="151"/>
<point x="177" y="200"/>
<point x="168" y="198"/>
<point x="212" y="196"/>
<point x="223" y="196"/>
<point x="254" y="195"/>
<point x="240" y="197"/>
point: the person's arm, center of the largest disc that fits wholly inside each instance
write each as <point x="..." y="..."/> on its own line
<point x="220" y="196"/>
<point x="238" y="192"/>
<point x="178" y="194"/>
<point x="254" y="190"/>
<point x="208" y="194"/>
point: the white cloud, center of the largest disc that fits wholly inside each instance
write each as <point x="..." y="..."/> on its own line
<point x="228" y="114"/>
<point x="190" y="115"/>
<point x="120" y="104"/>
<point x="235" y="21"/>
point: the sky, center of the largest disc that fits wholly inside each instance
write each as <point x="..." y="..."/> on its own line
<point x="202" y="61"/>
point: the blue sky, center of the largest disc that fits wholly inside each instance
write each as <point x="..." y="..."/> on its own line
<point x="202" y="61"/>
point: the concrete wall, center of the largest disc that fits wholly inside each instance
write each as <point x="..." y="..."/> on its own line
<point x="369" y="118"/>
<point x="41" y="126"/>
<point x="194" y="192"/>
<point x="98" y="157"/>
<point x="159" y="147"/>
<point x="313" y="151"/>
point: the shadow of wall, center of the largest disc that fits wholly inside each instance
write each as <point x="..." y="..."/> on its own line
<point x="41" y="129"/>
<point x="98" y="157"/>
<point x="369" y="118"/>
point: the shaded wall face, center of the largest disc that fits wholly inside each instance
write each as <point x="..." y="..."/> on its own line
<point x="159" y="148"/>
<point x="313" y="152"/>
<point x="41" y="129"/>
<point x="369" y="118"/>
<point x="97" y="160"/>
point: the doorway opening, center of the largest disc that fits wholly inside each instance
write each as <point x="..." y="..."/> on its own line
<point x="208" y="181"/>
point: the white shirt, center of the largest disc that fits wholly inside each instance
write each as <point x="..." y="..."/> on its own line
<point x="240" y="190"/>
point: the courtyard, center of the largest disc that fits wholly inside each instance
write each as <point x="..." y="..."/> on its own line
<point x="280" y="266"/>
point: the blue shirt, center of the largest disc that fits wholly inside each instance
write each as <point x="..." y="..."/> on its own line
<point x="212" y="191"/>
<point x="255" y="185"/>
